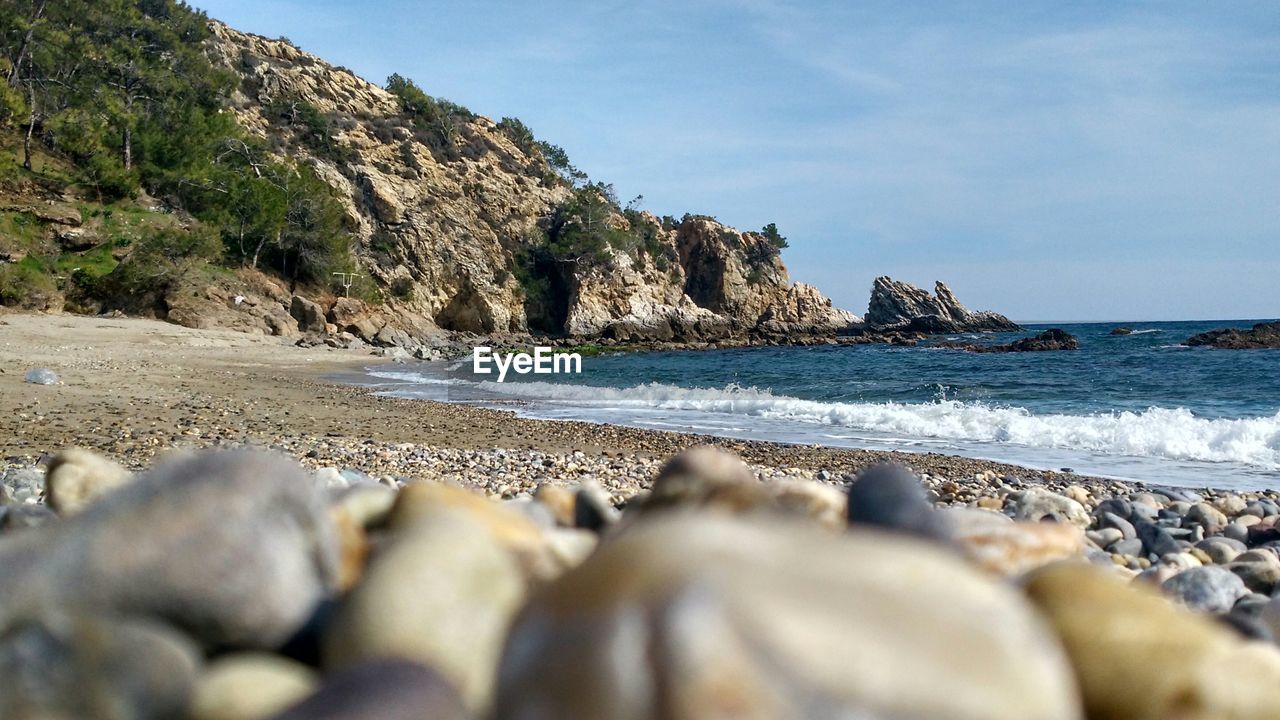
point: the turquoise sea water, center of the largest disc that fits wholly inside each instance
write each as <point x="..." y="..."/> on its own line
<point x="1141" y="406"/>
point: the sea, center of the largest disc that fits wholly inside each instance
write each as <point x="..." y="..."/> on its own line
<point x="1142" y="406"/>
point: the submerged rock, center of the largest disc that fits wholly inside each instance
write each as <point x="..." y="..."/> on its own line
<point x="1047" y="341"/>
<point x="696" y="615"/>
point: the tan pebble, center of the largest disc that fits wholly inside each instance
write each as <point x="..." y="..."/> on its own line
<point x="559" y="500"/>
<point x="991" y="503"/>
<point x="77" y="477"/>
<point x="250" y="686"/>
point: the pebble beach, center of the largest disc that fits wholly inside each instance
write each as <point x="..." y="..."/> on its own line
<point x="205" y="524"/>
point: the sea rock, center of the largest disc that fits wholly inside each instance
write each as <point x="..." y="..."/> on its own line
<point x="77" y="477"/>
<point x="731" y="625"/>
<point x="1049" y="340"/>
<point x="94" y="667"/>
<point x="236" y="548"/>
<point x="1262" y="335"/>
<point x="441" y="592"/>
<point x="890" y="497"/>
<point x="1121" y="331"/>
<point x="1039" y="505"/>
<point x="384" y="689"/>
<point x="1139" y="657"/>
<point x="250" y="686"/>
<point x="1004" y="547"/>
<point x="1210" y="589"/>
<point x="895" y="303"/>
<point x="310" y="316"/>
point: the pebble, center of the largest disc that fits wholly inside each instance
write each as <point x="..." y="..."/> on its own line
<point x="1221" y="550"/>
<point x="890" y="497"/>
<point x="64" y="667"/>
<point x="440" y="592"/>
<point x="1038" y="504"/>
<point x="733" y="626"/>
<point x="77" y="477"/>
<point x="706" y="475"/>
<point x="1139" y="657"/>
<point x="382" y="689"/>
<point x="233" y="547"/>
<point x="1005" y="547"/>
<point x="1211" y="589"/>
<point x="250" y="686"/>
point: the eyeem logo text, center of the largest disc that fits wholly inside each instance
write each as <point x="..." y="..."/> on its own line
<point x="543" y="361"/>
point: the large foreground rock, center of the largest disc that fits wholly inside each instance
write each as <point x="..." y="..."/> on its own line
<point x="1140" y="657"/>
<point x="63" y="667"/>
<point x="236" y="548"/>
<point x="702" y="616"/>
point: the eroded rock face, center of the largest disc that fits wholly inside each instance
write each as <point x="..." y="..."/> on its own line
<point x="444" y="228"/>
<point x="899" y="304"/>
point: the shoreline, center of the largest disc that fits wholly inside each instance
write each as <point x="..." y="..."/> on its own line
<point x="184" y="388"/>
<point x="134" y="388"/>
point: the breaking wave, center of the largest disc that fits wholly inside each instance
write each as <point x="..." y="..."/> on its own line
<point x="1174" y="434"/>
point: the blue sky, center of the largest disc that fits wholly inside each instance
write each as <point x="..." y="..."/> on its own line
<point x="1053" y="161"/>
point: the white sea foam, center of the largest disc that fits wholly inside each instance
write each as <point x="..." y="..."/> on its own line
<point x="1174" y="434"/>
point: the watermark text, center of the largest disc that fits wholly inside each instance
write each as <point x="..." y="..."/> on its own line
<point x="542" y="361"/>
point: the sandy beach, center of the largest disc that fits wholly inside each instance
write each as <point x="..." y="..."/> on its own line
<point x="133" y="389"/>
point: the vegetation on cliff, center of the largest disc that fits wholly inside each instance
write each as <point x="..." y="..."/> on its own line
<point x="155" y="161"/>
<point x="115" y="107"/>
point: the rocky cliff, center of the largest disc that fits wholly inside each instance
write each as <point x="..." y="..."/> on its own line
<point x="446" y="229"/>
<point x="900" y="305"/>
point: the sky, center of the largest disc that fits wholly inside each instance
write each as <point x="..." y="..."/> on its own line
<point x="1095" y="160"/>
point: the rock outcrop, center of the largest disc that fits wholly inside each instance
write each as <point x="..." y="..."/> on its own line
<point x="445" y="228"/>
<point x="1049" y="340"/>
<point x="1262" y="335"/>
<point x="900" y="305"/>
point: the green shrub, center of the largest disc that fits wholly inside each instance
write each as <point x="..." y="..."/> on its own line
<point x="27" y="284"/>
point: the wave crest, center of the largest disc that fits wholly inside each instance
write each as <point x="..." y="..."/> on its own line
<point x="1175" y="433"/>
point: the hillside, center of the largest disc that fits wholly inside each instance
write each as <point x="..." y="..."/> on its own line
<point x="213" y="195"/>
